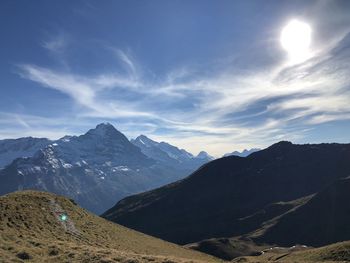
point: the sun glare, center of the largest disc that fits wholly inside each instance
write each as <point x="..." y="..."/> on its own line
<point x="296" y="40"/>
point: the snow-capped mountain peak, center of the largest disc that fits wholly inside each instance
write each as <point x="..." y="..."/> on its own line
<point x="243" y="153"/>
<point x="11" y="149"/>
<point x="105" y="130"/>
<point x="171" y="155"/>
<point x="204" y="155"/>
<point x="96" y="168"/>
<point x="143" y="139"/>
<point x="99" y="165"/>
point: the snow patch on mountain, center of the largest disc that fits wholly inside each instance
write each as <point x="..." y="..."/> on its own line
<point x="97" y="168"/>
<point x="204" y="155"/>
<point x="11" y="149"/>
<point x="243" y="153"/>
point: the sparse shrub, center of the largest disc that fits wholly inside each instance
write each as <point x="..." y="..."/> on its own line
<point x="23" y="255"/>
<point x="73" y="201"/>
<point x="53" y="252"/>
<point x="131" y="260"/>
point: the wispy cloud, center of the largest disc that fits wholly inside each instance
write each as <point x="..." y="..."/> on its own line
<point x="217" y="111"/>
<point x="18" y="125"/>
<point x="221" y="108"/>
<point x="126" y="59"/>
<point x="56" y="43"/>
<point x="84" y="90"/>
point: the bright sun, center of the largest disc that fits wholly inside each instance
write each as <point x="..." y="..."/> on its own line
<point x="296" y="39"/>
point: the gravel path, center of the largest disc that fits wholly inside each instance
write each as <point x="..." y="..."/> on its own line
<point x="67" y="224"/>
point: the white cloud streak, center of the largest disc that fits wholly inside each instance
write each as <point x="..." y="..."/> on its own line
<point x="218" y="112"/>
<point x="56" y="44"/>
<point x="217" y="97"/>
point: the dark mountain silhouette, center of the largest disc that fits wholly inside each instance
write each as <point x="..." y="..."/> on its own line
<point x="323" y="220"/>
<point x="215" y="199"/>
<point x="315" y="220"/>
<point x="248" y="244"/>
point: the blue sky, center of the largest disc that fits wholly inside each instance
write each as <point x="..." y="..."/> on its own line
<point x="202" y="75"/>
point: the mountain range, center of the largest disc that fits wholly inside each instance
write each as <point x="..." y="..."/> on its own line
<point x="11" y="149"/>
<point x="261" y="204"/>
<point x="255" y="208"/>
<point x="283" y="195"/>
<point x="243" y="153"/>
<point x="170" y="155"/>
<point x="96" y="168"/>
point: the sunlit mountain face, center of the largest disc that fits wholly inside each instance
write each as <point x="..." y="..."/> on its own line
<point x="218" y="77"/>
<point x="96" y="168"/>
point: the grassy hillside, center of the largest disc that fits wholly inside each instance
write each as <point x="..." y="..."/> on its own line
<point x="339" y="252"/>
<point x="228" y="248"/>
<point x="42" y="227"/>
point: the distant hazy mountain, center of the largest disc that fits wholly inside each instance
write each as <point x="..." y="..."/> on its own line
<point x="244" y="153"/>
<point x="170" y="155"/>
<point x="204" y="156"/>
<point x="151" y="149"/>
<point x="219" y="199"/>
<point x="95" y="168"/>
<point x="11" y="149"/>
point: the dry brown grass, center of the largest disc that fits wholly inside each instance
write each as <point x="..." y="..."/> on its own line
<point x="335" y="253"/>
<point x="29" y="228"/>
